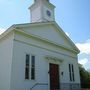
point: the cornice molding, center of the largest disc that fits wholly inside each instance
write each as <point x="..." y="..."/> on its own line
<point x="45" y="40"/>
<point x="44" y="48"/>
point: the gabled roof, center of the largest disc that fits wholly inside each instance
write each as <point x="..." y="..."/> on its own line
<point x="20" y="26"/>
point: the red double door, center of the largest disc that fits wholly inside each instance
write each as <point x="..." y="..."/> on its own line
<point x="54" y="76"/>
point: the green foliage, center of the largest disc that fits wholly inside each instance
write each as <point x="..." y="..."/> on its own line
<point x="84" y="77"/>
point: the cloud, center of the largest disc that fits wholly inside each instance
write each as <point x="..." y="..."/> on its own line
<point x="88" y="41"/>
<point x="83" y="61"/>
<point x="84" y="54"/>
<point x="84" y="47"/>
<point x="2" y="30"/>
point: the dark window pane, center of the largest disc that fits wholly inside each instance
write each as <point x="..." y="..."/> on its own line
<point x="70" y="75"/>
<point x="73" y="73"/>
<point x="72" y="68"/>
<point x="27" y="59"/>
<point x="69" y="68"/>
<point x="33" y="73"/>
<point x="73" y="76"/>
<point x="33" y="61"/>
<point x="26" y="73"/>
<point x="27" y="67"/>
<point x="33" y="67"/>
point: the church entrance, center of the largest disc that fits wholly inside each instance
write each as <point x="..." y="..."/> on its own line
<point x="54" y="76"/>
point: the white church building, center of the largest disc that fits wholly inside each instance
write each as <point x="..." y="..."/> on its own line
<point x="38" y="55"/>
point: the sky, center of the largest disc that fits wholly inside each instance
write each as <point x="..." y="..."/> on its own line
<point x="73" y="16"/>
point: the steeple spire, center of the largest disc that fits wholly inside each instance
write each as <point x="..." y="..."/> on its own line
<point x="42" y="11"/>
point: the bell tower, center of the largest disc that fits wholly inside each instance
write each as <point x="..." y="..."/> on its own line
<point x="42" y="11"/>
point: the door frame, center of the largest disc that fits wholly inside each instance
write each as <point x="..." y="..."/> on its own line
<point x="49" y="75"/>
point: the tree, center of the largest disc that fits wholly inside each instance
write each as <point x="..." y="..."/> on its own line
<point x="84" y="77"/>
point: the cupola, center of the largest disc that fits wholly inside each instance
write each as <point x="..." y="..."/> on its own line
<point x="42" y="11"/>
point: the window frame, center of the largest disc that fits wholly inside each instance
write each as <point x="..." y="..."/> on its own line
<point x="30" y="67"/>
<point x="71" y="73"/>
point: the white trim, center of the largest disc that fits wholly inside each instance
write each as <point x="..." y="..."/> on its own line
<point x="43" y="48"/>
<point x="20" y="26"/>
<point x="54" y="24"/>
<point x="53" y="59"/>
<point x="45" y="40"/>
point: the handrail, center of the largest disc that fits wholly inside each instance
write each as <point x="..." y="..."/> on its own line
<point x="38" y="84"/>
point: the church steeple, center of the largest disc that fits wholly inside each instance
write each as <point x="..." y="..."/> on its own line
<point x="42" y="11"/>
